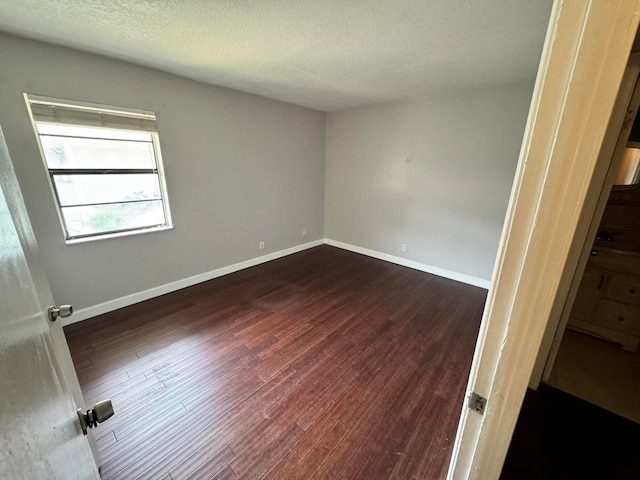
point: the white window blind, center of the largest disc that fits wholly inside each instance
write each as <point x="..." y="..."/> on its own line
<point x="46" y="110"/>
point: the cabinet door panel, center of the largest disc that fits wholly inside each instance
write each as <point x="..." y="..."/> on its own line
<point x="593" y="281"/>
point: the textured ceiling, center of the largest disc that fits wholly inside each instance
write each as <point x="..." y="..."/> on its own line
<point x="324" y="54"/>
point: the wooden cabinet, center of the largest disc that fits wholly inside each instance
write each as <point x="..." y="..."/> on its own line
<point x="593" y="281"/>
<point x="624" y="289"/>
<point x="618" y="316"/>
<point x="607" y="305"/>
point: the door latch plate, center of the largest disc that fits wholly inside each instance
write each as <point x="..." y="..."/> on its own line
<point x="477" y="403"/>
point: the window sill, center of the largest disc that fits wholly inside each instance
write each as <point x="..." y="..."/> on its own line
<point x="96" y="238"/>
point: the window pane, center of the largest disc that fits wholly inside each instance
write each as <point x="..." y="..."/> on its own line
<point x="104" y="188"/>
<point x="113" y="217"/>
<point x="74" y="152"/>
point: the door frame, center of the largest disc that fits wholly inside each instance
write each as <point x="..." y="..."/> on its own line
<point x="609" y="160"/>
<point x="583" y="61"/>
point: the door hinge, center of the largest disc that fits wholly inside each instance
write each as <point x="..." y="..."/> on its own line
<point x="477" y="403"/>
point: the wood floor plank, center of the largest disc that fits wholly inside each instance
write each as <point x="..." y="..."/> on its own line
<point x="225" y="474"/>
<point x="202" y="463"/>
<point x="284" y="414"/>
<point x="105" y="440"/>
<point x="319" y="439"/>
<point x="190" y="432"/>
<point x="150" y="402"/>
<point x="217" y="399"/>
<point x="269" y="455"/>
<point x="323" y="364"/>
<point x="353" y="443"/>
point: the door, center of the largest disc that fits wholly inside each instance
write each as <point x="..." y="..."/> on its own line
<point x="41" y="434"/>
<point x="583" y="61"/>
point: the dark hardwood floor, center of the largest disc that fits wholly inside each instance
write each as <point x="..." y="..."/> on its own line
<point x="324" y="364"/>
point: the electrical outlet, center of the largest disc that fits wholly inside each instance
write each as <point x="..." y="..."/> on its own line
<point x="261" y="245"/>
<point x="403" y="247"/>
<point x="304" y="232"/>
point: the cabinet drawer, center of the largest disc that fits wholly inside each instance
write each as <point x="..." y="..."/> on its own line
<point x="625" y="289"/>
<point x="616" y="316"/>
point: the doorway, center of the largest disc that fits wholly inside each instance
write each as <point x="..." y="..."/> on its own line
<point x="598" y="358"/>
<point x="594" y="355"/>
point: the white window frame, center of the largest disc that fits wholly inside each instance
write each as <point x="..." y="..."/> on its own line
<point x="146" y="121"/>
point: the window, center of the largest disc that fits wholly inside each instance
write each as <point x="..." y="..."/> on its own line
<point x="104" y="167"/>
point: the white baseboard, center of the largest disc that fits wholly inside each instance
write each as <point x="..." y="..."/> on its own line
<point x="137" y="297"/>
<point x="127" y="300"/>
<point x="441" y="272"/>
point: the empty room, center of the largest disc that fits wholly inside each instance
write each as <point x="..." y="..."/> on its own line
<point x="273" y="240"/>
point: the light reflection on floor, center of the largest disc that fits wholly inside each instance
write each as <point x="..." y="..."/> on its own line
<point x="599" y="372"/>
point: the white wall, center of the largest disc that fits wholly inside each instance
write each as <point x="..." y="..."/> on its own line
<point x="239" y="168"/>
<point x="434" y="174"/>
